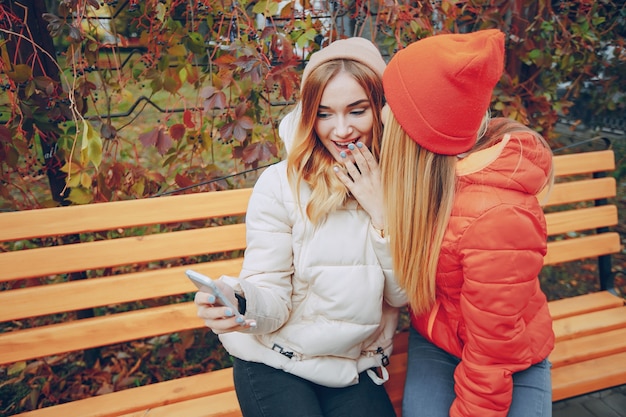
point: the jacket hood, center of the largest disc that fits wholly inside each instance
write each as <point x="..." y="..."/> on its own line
<point x="519" y="162"/>
<point x="287" y="127"/>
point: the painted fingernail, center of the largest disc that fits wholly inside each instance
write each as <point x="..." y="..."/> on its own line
<point x="252" y="324"/>
<point x="359" y="145"/>
<point x="211" y="299"/>
<point x="342" y="154"/>
<point x="228" y="312"/>
<point x="240" y="319"/>
<point x="336" y="168"/>
<point x="351" y="147"/>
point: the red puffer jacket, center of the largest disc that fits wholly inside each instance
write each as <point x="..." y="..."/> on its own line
<point x="490" y="310"/>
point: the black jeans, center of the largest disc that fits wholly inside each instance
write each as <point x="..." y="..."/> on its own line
<point x="264" y="391"/>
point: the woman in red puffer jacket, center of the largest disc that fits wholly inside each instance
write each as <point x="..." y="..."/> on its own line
<point x="467" y="232"/>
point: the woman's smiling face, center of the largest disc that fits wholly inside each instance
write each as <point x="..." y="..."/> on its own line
<point x="344" y="116"/>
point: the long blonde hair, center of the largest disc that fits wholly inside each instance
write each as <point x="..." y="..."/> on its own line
<point x="309" y="160"/>
<point x="419" y="195"/>
<point x="418" y="192"/>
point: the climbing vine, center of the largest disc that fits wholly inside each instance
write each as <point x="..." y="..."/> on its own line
<point x="110" y="99"/>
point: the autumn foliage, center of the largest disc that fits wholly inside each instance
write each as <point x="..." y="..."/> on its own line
<point x="130" y="99"/>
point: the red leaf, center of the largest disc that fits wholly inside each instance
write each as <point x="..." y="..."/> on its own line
<point x="226" y="131"/>
<point x="259" y="151"/>
<point x="183" y="181"/>
<point x="225" y="59"/>
<point x="246" y="122"/>
<point x="177" y="131"/>
<point x="149" y="138"/>
<point x="5" y="134"/>
<point x="164" y="142"/>
<point x="239" y="132"/>
<point x="207" y="92"/>
<point x="188" y="119"/>
<point x="216" y="101"/>
<point x="157" y="137"/>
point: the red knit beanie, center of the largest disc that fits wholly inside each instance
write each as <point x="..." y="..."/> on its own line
<point x="439" y="88"/>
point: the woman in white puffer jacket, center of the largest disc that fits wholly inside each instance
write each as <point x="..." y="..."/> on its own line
<point x="318" y="303"/>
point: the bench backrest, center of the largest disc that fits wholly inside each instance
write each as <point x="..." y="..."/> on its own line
<point x="114" y="238"/>
<point x="124" y="246"/>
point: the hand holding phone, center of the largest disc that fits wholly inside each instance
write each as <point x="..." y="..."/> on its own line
<point x="206" y="284"/>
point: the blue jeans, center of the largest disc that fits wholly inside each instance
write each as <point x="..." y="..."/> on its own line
<point x="429" y="386"/>
<point x="264" y="391"/>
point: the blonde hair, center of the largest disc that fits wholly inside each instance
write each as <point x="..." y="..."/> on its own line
<point x="419" y="185"/>
<point x="309" y="160"/>
<point x="419" y="195"/>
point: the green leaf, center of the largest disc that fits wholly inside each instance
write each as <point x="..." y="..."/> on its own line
<point x="260" y="7"/>
<point x="534" y="55"/>
<point x="80" y="196"/>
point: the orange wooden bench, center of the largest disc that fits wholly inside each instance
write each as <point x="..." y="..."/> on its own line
<point x="124" y="245"/>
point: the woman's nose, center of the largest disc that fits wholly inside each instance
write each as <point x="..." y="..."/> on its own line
<point x="343" y="127"/>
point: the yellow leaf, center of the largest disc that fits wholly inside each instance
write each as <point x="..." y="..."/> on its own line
<point x="20" y="73"/>
<point x="91" y="146"/>
<point x="177" y="50"/>
<point x="182" y="74"/>
<point x="160" y="11"/>
<point x="85" y="180"/>
<point x="86" y="133"/>
<point x="17" y="367"/>
<point x="95" y="151"/>
<point x="71" y="168"/>
<point x="73" y="180"/>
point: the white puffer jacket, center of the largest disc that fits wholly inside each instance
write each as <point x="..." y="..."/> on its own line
<point x="316" y="292"/>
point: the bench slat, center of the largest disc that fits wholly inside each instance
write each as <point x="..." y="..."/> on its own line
<point x="221" y="405"/>
<point x="122" y="251"/>
<point x="582" y="247"/>
<point x="121" y="214"/>
<point x="584" y="162"/>
<point x="97" y="292"/>
<point x="588" y="347"/>
<point x="590" y="323"/>
<point x="581" y="219"/>
<point x="589" y="376"/>
<point x="98" y="331"/>
<point x="583" y="190"/>
<point x="144" y="397"/>
<point x="582" y="304"/>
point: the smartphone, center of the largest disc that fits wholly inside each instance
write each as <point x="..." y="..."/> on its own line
<point x="206" y="284"/>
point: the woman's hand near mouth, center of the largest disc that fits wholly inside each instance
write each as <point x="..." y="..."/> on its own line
<point x="362" y="178"/>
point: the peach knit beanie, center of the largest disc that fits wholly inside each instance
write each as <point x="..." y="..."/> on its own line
<point x="357" y="49"/>
<point x="439" y="88"/>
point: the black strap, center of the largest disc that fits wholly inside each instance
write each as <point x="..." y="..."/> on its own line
<point x="242" y="303"/>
